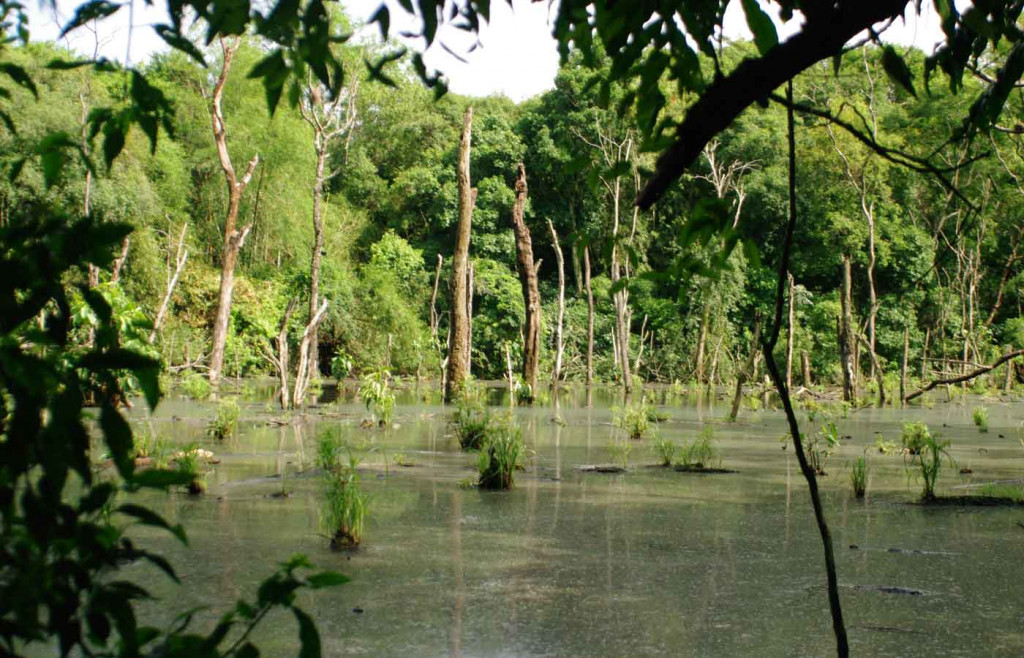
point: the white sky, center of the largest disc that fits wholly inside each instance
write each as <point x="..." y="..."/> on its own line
<point x="518" y="56"/>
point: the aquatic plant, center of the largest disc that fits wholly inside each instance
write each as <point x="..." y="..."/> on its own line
<point x="145" y="445"/>
<point x="914" y="436"/>
<point x="635" y="418"/>
<point x="927" y="464"/>
<point x="1013" y="492"/>
<point x="618" y="452"/>
<point x="328" y="450"/>
<point x="500" y="455"/>
<point x="820" y="446"/>
<point x="980" y="415"/>
<point x="187" y="465"/>
<point x="701" y="454"/>
<point x="665" y="449"/>
<point x="859" y="476"/>
<point x="472" y="422"/>
<point x="886" y="447"/>
<point x="343" y="514"/>
<point x="376" y="394"/>
<point x="523" y="393"/>
<point x="226" y="421"/>
<point x="753" y="402"/>
<point x="341" y="366"/>
<point x="196" y="386"/>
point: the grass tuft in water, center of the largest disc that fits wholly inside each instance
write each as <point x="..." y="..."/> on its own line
<point x="196" y="386"/>
<point x="472" y="421"/>
<point x="701" y="454"/>
<point x="980" y="415"/>
<point x="187" y="463"/>
<point x="665" y="449"/>
<point x="927" y="464"/>
<point x="376" y="394"/>
<point x="501" y="454"/>
<point x="636" y="419"/>
<point x="343" y="513"/>
<point x="859" y="476"/>
<point x="226" y="421"/>
<point x="915" y="437"/>
<point x="618" y="452"/>
<point x="820" y="446"/>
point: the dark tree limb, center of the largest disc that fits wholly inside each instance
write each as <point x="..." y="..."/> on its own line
<point x="967" y="377"/>
<point x="838" y="626"/>
<point x="827" y="30"/>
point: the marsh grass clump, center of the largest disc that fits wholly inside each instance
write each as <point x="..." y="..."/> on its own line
<point x="701" y="455"/>
<point x="859" y="476"/>
<point x="472" y="422"/>
<point x="820" y="446"/>
<point x="914" y="437"/>
<point x="927" y="464"/>
<point x="343" y="514"/>
<point x="501" y="454"/>
<point x="376" y="394"/>
<point x="885" y="447"/>
<point x="196" y="386"/>
<point x="226" y="421"/>
<point x="665" y="449"/>
<point x="980" y="415"/>
<point x="1012" y="492"/>
<point x="146" y="446"/>
<point x="187" y="464"/>
<point x="635" y="419"/>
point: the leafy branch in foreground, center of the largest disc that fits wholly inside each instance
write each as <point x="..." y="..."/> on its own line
<point x="56" y="525"/>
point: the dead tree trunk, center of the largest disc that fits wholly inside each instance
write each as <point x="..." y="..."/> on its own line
<point x="1008" y="382"/>
<point x="458" y="352"/>
<point x="528" y="280"/>
<point x="743" y="373"/>
<point x="280" y="360"/>
<point x="876" y="368"/>
<point x="590" y="315"/>
<point x="469" y="318"/>
<point x="806" y="360"/>
<point x="556" y="375"/>
<point x="181" y="255"/>
<point x="435" y="318"/>
<point x="790" y="327"/>
<point x="967" y="376"/>
<point x="115" y="273"/>
<point x="233" y="238"/>
<point x="903" y="365"/>
<point x="303" y="373"/>
<point x="847" y="344"/>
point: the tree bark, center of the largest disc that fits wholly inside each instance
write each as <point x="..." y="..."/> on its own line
<point x="556" y="375"/>
<point x="806" y="359"/>
<point x="903" y="365"/>
<point x="115" y="272"/>
<point x="528" y="281"/>
<point x="1009" y="356"/>
<point x="590" y="315"/>
<point x="1008" y="382"/>
<point x="847" y="343"/>
<point x="435" y="318"/>
<point x="314" y="263"/>
<point x="302" y="373"/>
<point x="234" y="239"/>
<point x="282" y="355"/>
<point x="458" y="354"/>
<point x="741" y="376"/>
<point x="181" y="256"/>
<point x="790" y="327"/>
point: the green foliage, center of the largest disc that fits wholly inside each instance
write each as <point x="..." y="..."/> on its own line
<point x="343" y="513"/>
<point x="225" y="423"/>
<point x="886" y="447"/>
<point x="927" y="463"/>
<point x="914" y="437"/>
<point x="188" y="467"/>
<point x="701" y="453"/>
<point x="980" y="415"/>
<point x="820" y="446"/>
<point x="472" y="421"/>
<point x="619" y="451"/>
<point x="500" y="455"/>
<point x="376" y="394"/>
<point x="196" y="387"/>
<point x="665" y="449"/>
<point x="146" y="445"/>
<point x="636" y="419"/>
<point x="859" y="476"/>
<point x="341" y="366"/>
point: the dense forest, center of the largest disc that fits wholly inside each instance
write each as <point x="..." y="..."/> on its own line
<point x="675" y="289"/>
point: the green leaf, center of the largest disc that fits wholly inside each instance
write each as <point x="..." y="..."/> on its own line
<point x="897" y="70"/>
<point x="159" y="478"/>
<point x="326" y="579"/>
<point x="113" y="142"/>
<point x="176" y="40"/>
<point x="383" y="19"/>
<point x="68" y="64"/>
<point x="90" y="11"/>
<point x="118" y="436"/>
<point x="308" y="636"/>
<point x="19" y="76"/>
<point x="159" y="562"/>
<point x="761" y="26"/>
<point x="146" y="516"/>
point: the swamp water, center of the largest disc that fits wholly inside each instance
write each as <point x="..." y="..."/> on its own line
<point x="650" y="562"/>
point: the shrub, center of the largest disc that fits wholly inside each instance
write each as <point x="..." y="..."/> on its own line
<point x="635" y="419"/>
<point x="341" y="366"/>
<point x="914" y="437"/>
<point x="501" y="454"/>
<point x="147" y="446"/>
<point x="196" y="386"/>
<point x="665" y="449"/>
<point x="981" y="419"/>
<point x="226" y="421"/>
<point x="343" y="514"/>
<point x="472" y="422"/>
<point x="376" y="394"/>
<point x="886" y="447"/>
<point x="859" y="476"/>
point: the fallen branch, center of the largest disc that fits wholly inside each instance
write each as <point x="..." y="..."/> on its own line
<point x="964" y="378"/>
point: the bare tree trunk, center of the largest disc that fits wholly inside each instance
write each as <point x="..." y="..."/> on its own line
<point x="470" y="271"/>
<point x="743" y="373"/>
<point x="528" y="281"/>
<point x="924" y="354"/>
<point x="181" y="256"/>
<point x="1008" y="383"/>
<point x="847" y="344"/>
<point x="435" y="318"/>
<point x="590" y="315"/>
<point x="872" y="295"/>
<point x="806" y="359"/>
<point x="458" y="353"/>
<point x="790" y="327"/>
<point x="1007" y="270"/>
<point x="302" y="373"/>
<point x="280" y="360"/>
<point x="314" y="264"/>
<point x="115" y="273"/>
<point x="877" y="369"/>
<point x="702" y="339"/>
<point x="233" y="238"/>
<point x="556" y="375"/>
<point x="640" y="351"/>
<point x="510" y="376"/>
<point x="903" y="365"/>
<point x="966" y="377"/>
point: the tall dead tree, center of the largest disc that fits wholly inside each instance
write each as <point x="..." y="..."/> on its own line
<point x="331" y="120"/>
<point x="303" y="372"/>
<point x="847" y="337"/>
<point x="180" y="257"/>
<point x="556" y="374"/>
<point x="743" y="373"/>
<point x="234" y="238"/>
<point x="590" y="315"/>
<point x="458" y="347"/>
<point x="790" y="330"/>
<point x="528" y="280"/>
